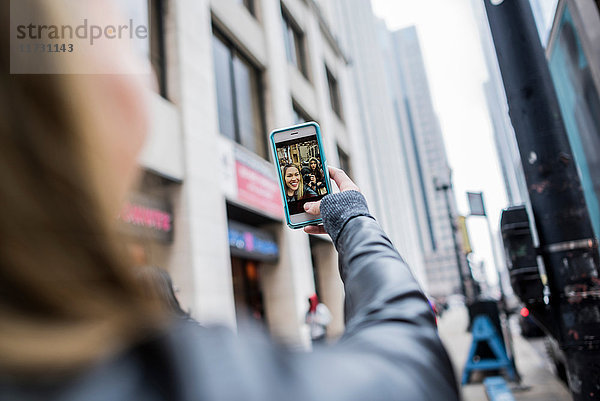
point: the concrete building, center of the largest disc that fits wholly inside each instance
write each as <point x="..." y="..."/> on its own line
<point x="390" y="196"/>
<point x="209" y="208"/>
<point x="427" y="161"/>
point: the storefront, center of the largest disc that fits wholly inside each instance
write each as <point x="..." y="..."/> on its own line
<point x="250" y="247"/>
<point x="148" y="221"/>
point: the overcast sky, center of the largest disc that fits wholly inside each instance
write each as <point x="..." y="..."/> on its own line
<point x="456" y="69"/>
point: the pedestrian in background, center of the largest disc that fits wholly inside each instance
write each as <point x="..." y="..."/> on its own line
<point x="318" y="318"/>
<point x="74" y="321"/>
<point x="317" y="171"/>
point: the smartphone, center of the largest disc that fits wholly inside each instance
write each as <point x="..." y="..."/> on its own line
<point x="298" y="154"/>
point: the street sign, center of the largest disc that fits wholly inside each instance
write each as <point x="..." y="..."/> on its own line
<point x="476" y="203"/>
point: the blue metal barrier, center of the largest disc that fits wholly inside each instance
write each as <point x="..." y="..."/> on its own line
<point x="497" y="389"/>
<point x="484" y="334"/>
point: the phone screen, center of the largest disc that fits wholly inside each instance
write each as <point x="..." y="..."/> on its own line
<point x="301" y="171"/>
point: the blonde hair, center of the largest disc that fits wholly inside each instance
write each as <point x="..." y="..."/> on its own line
<point x="67" y="295"/>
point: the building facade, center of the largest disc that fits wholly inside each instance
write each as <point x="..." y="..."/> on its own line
<point x="390" y="197"/>
<point x="229" y="72"/>
<point x="427" y="161"/>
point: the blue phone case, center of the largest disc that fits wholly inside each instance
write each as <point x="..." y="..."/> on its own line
<point x="282" y="189"/>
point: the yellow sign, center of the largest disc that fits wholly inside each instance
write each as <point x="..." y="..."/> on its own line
<point x="464" y="235"/>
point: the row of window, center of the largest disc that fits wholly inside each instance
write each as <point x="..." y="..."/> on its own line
<point x="295" y="47"/>
<point x="239" y="83"/>
<point x="240" y="88"/>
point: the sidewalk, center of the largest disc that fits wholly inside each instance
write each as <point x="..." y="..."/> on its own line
<point x="539" y="383"/>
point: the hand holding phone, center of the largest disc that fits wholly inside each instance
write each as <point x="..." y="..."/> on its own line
<point x="343" y="182"/>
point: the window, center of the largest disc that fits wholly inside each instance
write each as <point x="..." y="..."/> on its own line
<point x="247" y="92"/>
<point x="157" y="43"/>
<point x="224" y="82"/>
<point x="300" y="115"/>
<point x="294" y="43"/>
<point x="334" y="93"/>
<point x="239" y="92"/>
<point x="344" y="161"/>
<point x="249" y="4"/>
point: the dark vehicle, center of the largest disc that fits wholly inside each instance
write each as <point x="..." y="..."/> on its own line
<point x="529" y="327"/>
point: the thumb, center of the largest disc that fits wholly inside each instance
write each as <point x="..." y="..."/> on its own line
<point x="313" y="207"/>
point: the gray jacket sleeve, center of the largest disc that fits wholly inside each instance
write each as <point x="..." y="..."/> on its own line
<point x="391" y="335"/>
<point x="390" y="349"/>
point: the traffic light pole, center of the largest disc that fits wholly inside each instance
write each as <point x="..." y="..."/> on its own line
<point x="567" y="242"/>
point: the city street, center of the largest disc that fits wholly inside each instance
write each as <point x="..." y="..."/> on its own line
<point x="314" y="169"/>
<point x="539" y="382"/>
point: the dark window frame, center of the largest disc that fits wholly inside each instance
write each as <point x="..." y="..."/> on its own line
<point x="345" y="163"/>
<point x="299" y="112"/>
<point x="300" y="50"/>
<point x="262" y="148"/>
<point x="158" y="61"/>
<point x="335" y="97"/>
<point x="249" y="5"/>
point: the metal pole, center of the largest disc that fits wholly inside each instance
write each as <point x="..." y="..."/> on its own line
<point x="467" y="293"/>
<point x="567" y="242"/>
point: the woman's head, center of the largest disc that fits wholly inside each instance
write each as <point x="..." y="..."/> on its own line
<point x="68" y="148"/>
<point x="313" y="163"/>
<point x="293" y="180"/>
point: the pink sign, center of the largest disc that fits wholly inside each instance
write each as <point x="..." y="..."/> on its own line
<point x="249" y="241"/>
<point x="258" y="190"/>
<point x="146" y="217"/>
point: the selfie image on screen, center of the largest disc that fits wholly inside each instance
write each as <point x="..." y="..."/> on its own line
<point x="301" y="171"/>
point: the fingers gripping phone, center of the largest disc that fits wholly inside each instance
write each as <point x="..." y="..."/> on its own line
<point x="298" y="154"/>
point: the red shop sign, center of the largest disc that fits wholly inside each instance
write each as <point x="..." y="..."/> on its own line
<point x="147" y="218"/>
<point x="258" y="190"/>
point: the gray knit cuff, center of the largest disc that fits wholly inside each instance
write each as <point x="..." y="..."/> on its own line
<point x="338" y="209"/>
